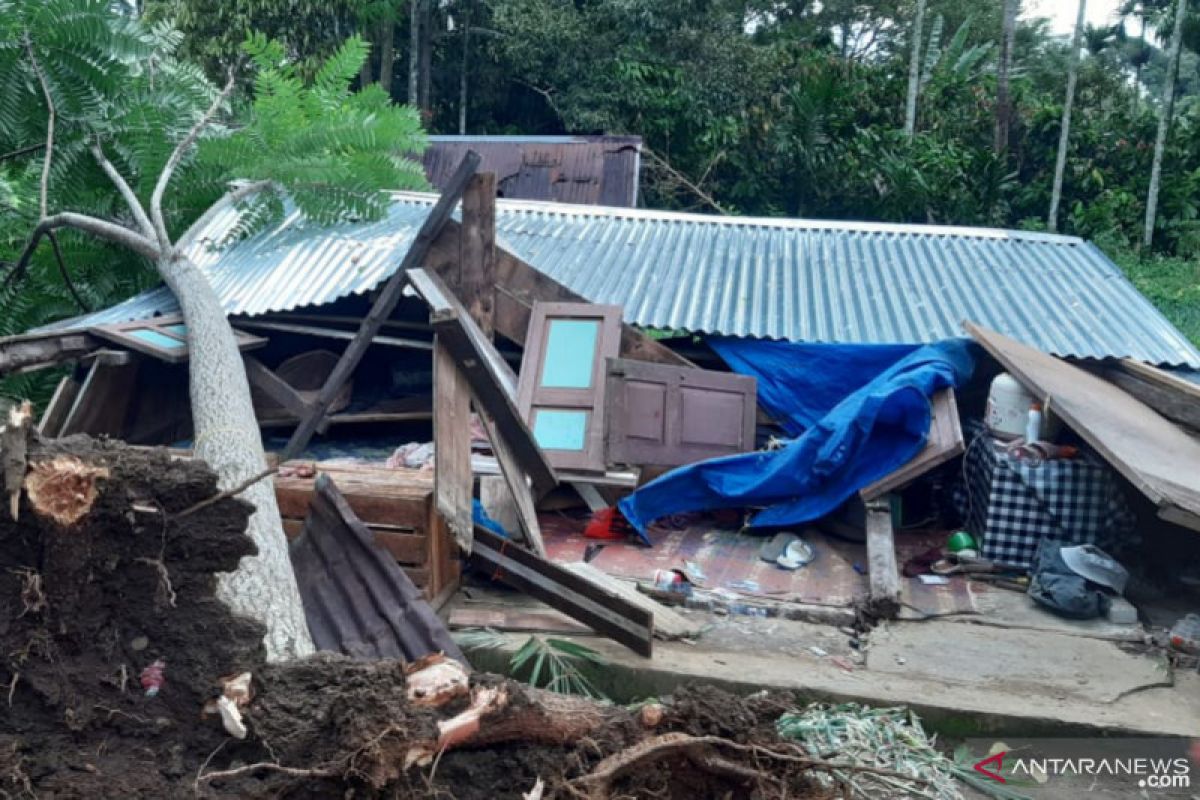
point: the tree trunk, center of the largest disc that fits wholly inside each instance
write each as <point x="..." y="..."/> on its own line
<point x="1003" y="99"/>
<point x="414" y="53"/>
<point x="387" y="53"/>
<point x="227" y="436"/>
<point x="426" y="58"/>
<point x="1164" y="124"/>
<point x="1064" y="135"/>
<point x="462" y="77"/>
<point x="364" y="72"/>
<point x="914" y="73"/>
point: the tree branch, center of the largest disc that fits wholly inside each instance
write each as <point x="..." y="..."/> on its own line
<point x="22" y="151"/>
<point x="234" y="196"/>
<point x="82" y="222"/>
<point x="131" y="199"/>
<point x="50" y="120"/>
<point x="679" y="176"/>
<point x="176" y="156"/>
<point x="66" y="276"/>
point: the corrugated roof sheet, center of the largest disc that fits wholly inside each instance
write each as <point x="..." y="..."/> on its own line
<point x="800" y="280"/>
<point x="357" y="599"/>
<point x="596" y="170"/>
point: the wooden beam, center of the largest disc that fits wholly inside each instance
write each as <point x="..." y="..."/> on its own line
<point x="945" y="441"/>
<point x="384" y="304"/>
<point x="477" y="245"/>
<point x="1175" y="399"/>
<point x="884" y="575"/>
<point x="565" y="591"/>
<point x="518" y="484"/>
<point x="334" y="333"/>
<point x="103" y="400"/>
<point x="59" y="406"/>
<point x="274" y="386"/>
<point x="488" y="375"/>
<point x="453" y="479"/>
<point x="498" y="502"/>
<point x="23" y="354"/>
<point x="668" y="623"/>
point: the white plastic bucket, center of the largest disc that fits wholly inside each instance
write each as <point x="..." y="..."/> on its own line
<point x="1008" y="410"/>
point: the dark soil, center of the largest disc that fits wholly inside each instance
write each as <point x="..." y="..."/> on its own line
<point x="84" y="610"/>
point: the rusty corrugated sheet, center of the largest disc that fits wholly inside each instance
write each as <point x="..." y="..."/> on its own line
<point x="592" y="170"/>
<point x="357" y="599"/>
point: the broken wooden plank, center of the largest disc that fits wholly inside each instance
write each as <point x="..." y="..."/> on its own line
<point x="384" y="304"/>
<point x="22" y="353"/>
<point x="487" y="374"/>
<point x="668" y="623"/>
<point x="945" y="442"/>
<point x="102" y="402"/>
<point x="477" y="279"/>
<point x="499" y="504"/>
<point x="562" y="589"/>
<point x="274" y="386"/>
<point x="1153" y="453"/>
<point x="1176" y="399"/>
<point x="590" y="495"/>
<point x="621" y="478"/>
<point x="453" y="480"/>
<point x="883" y="573"/>
<point x="59" y="406"/>
<point x="517" y="619"/>
<point x="518" y="485"/>
<point x="334" y="333"/>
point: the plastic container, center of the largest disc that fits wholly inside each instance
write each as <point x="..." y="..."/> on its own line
<point x="1033" y="425"/>
<point x="1185" y="635"/>
<point x="1008" y="410"/>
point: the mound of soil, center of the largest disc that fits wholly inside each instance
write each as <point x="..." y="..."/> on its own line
<point x="86" y="608"/>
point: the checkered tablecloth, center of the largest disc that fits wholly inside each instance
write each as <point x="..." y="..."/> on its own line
<point x="1012" y="506"/>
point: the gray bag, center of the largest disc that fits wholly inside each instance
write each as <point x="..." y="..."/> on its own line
<point x="1059" y="589"/>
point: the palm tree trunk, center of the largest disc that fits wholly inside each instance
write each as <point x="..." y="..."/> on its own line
<point x="387" y="53"/>
<point x="1003" y="99"/>
<point x="1164" y="124"/>
<point x="1064" y="135"/>
<point x="426" y="58"/>
<point x="414" y="52"/>
<point x="914" y="73"/>
<point x="462" y="77"/>
<point x="227" y="436"/>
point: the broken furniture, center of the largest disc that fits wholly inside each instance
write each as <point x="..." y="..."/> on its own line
<point x="395" y="505"/>
<point x="357" y="600"/>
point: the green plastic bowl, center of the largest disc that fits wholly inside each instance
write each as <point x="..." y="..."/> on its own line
<point x="961" y="540"/>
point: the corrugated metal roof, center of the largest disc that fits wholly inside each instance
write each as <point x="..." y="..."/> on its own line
<point x="596" y="170"/>
<point x="801" y="280"/>
<point x="357" y="599"/>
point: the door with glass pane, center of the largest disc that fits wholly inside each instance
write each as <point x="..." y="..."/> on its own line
<point x="561" y="387"/>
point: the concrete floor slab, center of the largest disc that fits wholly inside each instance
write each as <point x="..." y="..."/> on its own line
<point x="1019" y="662"/>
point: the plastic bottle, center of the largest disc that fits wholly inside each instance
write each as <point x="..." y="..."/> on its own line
<point x="1033" y="425"/>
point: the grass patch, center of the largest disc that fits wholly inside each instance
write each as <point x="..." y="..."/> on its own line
<point x="1172" y="284"/>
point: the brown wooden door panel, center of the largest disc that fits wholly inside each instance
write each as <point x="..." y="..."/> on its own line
<point x="561" y="390"/>
<point x="667" y="416"/>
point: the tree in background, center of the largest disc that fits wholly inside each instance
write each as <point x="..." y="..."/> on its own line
<point x="914" y="72"/>
<point x="1008" y="34"/>
<point x="109" y="109"/>
<point x="1165" y="113"/>
<point x="1064" y="137"/>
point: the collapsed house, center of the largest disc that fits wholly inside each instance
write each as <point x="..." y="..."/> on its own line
<point x="559" y="354"/>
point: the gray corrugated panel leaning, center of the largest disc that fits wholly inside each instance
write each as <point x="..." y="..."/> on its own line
<point x="800" y="280"/>
<point x="357" y="599"/>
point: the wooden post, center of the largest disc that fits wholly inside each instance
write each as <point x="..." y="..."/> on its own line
<point x="453" y="479"/>
<point x="499" y="503"/>
<point x="477" y="250"/>
<point x="881" y="558"/>
<point x="384" y="305"/>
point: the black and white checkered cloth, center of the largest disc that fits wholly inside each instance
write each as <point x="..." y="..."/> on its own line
<point x="1013" y="505"/>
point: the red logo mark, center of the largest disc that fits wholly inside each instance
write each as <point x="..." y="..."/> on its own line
<point x="998" y="761"/>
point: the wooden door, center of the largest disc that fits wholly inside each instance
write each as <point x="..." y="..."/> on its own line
<point x="561" y="387"/>
<point x="667" y="416"/>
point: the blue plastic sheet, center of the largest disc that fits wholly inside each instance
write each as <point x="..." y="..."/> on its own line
<point x="859" y="413"/>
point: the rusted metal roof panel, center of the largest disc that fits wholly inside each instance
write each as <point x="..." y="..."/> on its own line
<point x="593" y="170"/>
<point x="357" y="599"/>
<point x="800" y="280"/>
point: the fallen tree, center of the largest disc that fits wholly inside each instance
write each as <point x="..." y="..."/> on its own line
<point x="118" y="658"/>
<point x="137" y="122"/>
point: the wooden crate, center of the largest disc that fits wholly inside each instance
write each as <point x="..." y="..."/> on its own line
<point x="397" y="505"/>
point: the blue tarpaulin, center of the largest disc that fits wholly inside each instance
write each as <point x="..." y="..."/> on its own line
<point x="858" y="412"/>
